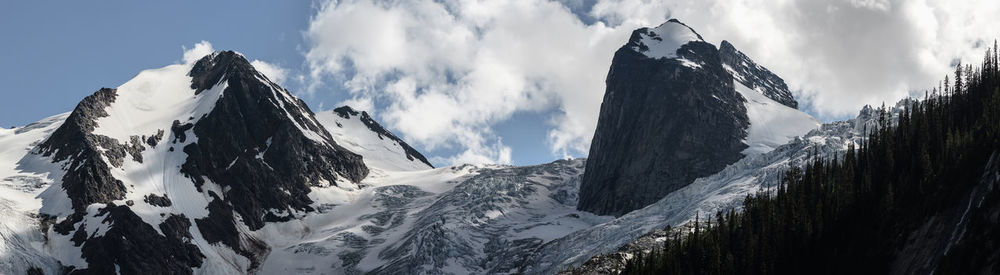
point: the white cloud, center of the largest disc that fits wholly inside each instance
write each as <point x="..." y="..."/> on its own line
<point x="200" y="49"/>
<point x="447" y="71"/>
<point x="275" y="73"/>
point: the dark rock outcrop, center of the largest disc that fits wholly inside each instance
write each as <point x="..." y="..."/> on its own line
<point x="411" y="154"/>
<point x="154" y="200"/>
<point x="133" y="247"/>
<point x="88" y="178"/>
<point x="755" y="76"/>
<point x="663" y="123"/>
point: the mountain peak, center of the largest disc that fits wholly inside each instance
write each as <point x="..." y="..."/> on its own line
<point x="208" y="70"/>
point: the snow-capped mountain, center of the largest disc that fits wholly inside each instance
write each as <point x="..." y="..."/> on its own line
<point x="174" y="171"/>
<point x="677" y="109"/>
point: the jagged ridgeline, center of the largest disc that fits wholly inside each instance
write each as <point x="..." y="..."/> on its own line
<point x="918" y="197"/>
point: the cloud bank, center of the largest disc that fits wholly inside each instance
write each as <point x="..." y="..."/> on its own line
<point x="444" y="72"/>
<point x="447" y="71"/>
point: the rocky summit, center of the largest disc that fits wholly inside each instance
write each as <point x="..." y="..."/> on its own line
<point x="664" y="122"/>
<point x="676" y="109"/>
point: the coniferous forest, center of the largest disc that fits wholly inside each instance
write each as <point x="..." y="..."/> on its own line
<point x="918" y="196"/>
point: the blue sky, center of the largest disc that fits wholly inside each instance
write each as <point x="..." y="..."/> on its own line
<point x="515" y="82"/>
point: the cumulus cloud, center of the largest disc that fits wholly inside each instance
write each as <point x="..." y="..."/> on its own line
<point x="200" y="49"/>
<point x="447" y="71"/>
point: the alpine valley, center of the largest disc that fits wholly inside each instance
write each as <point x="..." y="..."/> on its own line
<point x="210" y="167"/>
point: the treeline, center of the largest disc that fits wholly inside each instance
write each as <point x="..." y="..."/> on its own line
<point x="852" y="214"/>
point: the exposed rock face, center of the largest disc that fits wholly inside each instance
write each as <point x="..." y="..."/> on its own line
<point x="89" y="178"/>
<point x="664" y="122"/>
<point x="254" y="144"/>
<point x="134" y="247"/>
<point x="755" y="76"/>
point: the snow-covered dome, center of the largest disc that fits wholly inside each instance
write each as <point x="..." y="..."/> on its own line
<point x="664" y="40"/>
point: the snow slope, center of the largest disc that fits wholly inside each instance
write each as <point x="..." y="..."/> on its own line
<point x="771" y="123"/>
<point x="152" y="100"/>
<point x="381" y="152"/>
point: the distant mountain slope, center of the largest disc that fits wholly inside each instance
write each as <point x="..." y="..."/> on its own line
<point x="358" y="132"/>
